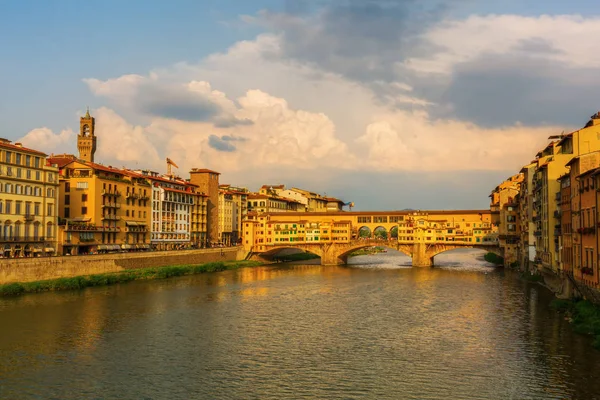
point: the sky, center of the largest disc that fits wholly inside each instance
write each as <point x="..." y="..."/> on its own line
<point x="391" y="104"/>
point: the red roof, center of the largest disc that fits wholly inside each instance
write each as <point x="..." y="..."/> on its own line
<point x="11" y="146"/>
<point x="61" y="160"/>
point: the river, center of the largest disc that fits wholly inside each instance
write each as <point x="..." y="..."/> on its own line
<point x="374" y="329"/>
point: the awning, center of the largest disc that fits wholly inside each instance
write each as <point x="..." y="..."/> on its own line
<point x="37" y="250"/>
<point x="126" y="246"/>
<point x="131" y="223"/>
<point x="115" y="247"/>
<point x="78" y="219"/>
<point x="49" y="249"/>
<point x="102" y="247"/>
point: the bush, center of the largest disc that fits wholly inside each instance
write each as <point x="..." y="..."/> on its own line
<point x="494" y="258"/>
<point x="11" y="289"/>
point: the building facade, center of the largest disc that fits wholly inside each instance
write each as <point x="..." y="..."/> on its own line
<point x="28" y="202"/>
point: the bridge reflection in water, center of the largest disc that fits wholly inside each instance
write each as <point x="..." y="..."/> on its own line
<point x="333" y="236"/>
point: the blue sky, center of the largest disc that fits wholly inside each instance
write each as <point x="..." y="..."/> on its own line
<point x="362" y="88"/>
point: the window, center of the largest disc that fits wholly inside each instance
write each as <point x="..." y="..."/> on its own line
<point x="50" y="230"/>
<point x="17" y="207"/>
<point x="84" y="197"/>
<point x="67" y="199"/>
<point x="19" y="172"/>
<point x="8" y="206"/>
<point x="28" y="174"/>
<point x="82" y="185"/>
<point x="36" y="209"/>
<point x="18" y="159"/>
<point x="67" y="213"/>
<point x="50" y="212"/>
<point x="8" y="157"/>
<point x="67" y="187"/>
<point x="83" y="210"/>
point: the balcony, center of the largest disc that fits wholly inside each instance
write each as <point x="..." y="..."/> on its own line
<point x="115" y="193"/>
<point x="14" y="239"/>
<point x="82" y="228"/>
<point x="111" y="217"/>
<point x="29" y="217"/>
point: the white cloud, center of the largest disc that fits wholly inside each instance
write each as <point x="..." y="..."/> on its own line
<point x="264" y="109"/>
<point x="48" y="141"/>
<point x="565" y="39"/>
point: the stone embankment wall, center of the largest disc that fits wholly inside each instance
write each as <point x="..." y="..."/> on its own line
<point x="42" y="268"/>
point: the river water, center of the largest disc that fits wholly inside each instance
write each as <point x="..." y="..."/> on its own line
<point x="372" y="330"/>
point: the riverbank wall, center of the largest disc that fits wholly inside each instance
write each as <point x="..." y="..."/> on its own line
<point x="44" y="268"/>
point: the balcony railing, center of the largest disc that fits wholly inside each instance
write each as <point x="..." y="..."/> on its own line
<point x="29" y="217"/>
<point x="115" y="193"/>
<point x="12" y="239"/>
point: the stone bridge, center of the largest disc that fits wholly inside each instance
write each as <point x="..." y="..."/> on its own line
<point x="422" y="253"/>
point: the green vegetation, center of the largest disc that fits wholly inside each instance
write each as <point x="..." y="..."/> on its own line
<point x="367" y="250"/>
<point x="494" y="259"/>
<point x="80" y="282"/>
<point x="296" y="257"/>
<point x="584" y="316"/>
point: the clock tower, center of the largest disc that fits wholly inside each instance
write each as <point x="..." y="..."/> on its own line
<point x="86" y="140"/>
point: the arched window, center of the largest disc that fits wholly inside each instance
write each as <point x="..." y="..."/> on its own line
<point x="85" y="130"/>
<point x="49" y="230"/>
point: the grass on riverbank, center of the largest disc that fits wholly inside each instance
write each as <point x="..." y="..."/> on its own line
<point x="494" y="259"/>
<point x="80" y="282"/>
<point x="584" y="316"/>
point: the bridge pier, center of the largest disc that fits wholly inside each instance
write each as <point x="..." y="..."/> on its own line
<point x="420" y="258"/>
<point x="330" y="258"/>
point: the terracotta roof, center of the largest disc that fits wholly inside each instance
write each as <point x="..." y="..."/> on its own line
<point x="183" y="191"/>
<point x="62" y="160"/>
<point x="11" y="146"/>
<point x="204" y="170"/>
<point x="257" y="196"/>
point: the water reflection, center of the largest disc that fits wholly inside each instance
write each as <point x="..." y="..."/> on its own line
<point x="373" y="329"/>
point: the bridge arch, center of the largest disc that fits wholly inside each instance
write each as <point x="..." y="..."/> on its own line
<point x="272" y="253"/>
<point x="364" y="232"/>
<point x="406" y="249"/>
<point x="380" y="233"/>
<point x="434" y="250"/>
<point x="394" y="232"/>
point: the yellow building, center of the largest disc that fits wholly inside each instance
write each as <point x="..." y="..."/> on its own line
<point x="101" y="208"/>
<point x="310" y="201"/>
<point x="28" y="202"/>
<point x="505" y="212"/>
<point x="526" y="246"/>
<point x="264" y="203"/>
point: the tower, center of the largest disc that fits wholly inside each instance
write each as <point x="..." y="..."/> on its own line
<point x="86" y="140"/>
<point x="208" y="183"/>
